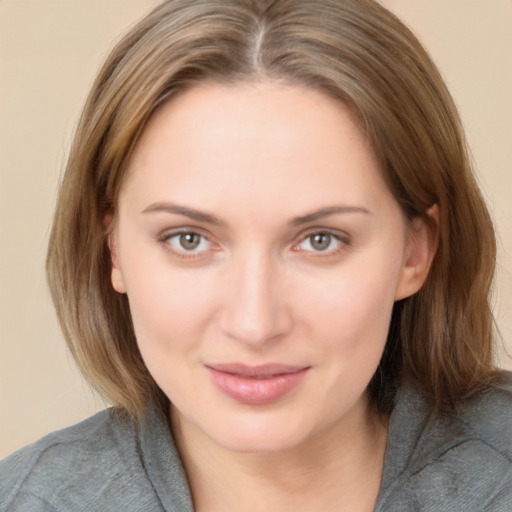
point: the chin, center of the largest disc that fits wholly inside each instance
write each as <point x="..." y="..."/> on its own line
<point x="259" y="442"/>
<point x="259" y="432"/>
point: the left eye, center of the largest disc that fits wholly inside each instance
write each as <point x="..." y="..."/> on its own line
<point x="320" y="242"/>
<point x="188" y="241"/>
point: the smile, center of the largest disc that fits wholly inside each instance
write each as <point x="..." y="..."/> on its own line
<point x="256" y="385"/>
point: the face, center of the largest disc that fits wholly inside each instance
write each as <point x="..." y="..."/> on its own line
<point x="261" y="253"/>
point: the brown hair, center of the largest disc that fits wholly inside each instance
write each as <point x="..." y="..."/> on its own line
<point x="353" y="50"/>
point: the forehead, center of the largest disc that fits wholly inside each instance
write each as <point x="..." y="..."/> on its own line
<point x="264" y="140"/>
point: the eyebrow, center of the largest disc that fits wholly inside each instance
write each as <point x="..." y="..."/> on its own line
<point x="191" y="213"/>
<point x="325" y="212"/>
<point x="208" y="218"/>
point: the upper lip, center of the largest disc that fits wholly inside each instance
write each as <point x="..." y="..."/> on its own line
<point x="264" y="370"/>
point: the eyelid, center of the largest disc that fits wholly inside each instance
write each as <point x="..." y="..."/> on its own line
<point x="164" y="237"/>
<point x="342" y="237"/>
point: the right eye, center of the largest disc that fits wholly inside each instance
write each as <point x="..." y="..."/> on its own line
<point x="186" y="243"/>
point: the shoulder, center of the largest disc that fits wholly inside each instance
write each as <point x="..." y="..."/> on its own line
<point x="60" y="470"/>
<point x="461" y="461"/>
<point x="466" y="458"/>
<point x="488" y="417"/>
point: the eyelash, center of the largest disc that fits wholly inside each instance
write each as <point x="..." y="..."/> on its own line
<point x="342" y="239"/>
<point x="166" y="239"/>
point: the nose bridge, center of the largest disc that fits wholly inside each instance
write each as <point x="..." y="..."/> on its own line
<point x="255" y="310"/>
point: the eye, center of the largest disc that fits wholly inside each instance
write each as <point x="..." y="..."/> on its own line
<point x="322" y="242"/>
<point x="187" y="241"/>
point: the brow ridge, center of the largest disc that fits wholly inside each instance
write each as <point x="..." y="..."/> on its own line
<point x="326" y="212"/>
<point x="209" y="218"/>
<point x="191" y="213"/>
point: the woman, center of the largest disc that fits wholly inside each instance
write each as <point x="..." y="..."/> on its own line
<point x="270" y="255"/>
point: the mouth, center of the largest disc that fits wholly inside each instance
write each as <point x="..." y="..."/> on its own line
<point x="256" y="385"/>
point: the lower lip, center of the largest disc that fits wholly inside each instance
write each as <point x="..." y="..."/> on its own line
<point x="253" y="391"/>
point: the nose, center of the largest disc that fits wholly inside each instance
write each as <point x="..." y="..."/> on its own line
<point x="255" y="308"/>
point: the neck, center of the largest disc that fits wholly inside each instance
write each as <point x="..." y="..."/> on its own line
<point x="338" y="469"/>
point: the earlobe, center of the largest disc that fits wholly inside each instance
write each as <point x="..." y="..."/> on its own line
<point x="421" y="248"/>
<point x="117" y="279"/>
<point x="116" y="275"/>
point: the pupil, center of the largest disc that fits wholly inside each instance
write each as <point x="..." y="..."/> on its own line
<point x="189" y="240"/>
<point x="321" y="241"/>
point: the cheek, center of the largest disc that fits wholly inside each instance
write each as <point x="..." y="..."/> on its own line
<point x="355" y="305"/>
<point x="169" y="306"/>
<point x="171" y="312"/>
<point x="349" y="321"/>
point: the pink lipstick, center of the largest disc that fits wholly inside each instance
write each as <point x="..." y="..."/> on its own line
<point x="256" y="385"/>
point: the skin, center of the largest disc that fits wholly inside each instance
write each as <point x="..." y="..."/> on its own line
<point x="248" y="283"/>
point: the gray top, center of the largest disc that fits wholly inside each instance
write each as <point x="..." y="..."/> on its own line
<point x="449" y="464"/>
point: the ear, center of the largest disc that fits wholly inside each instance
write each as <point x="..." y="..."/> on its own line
<point x="421" y="247"/>
<point x="116" y="275"/>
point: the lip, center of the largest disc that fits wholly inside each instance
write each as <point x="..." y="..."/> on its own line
<point x="256" y="385"/>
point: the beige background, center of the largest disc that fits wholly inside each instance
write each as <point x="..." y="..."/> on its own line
<point x="49" y="52"/>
